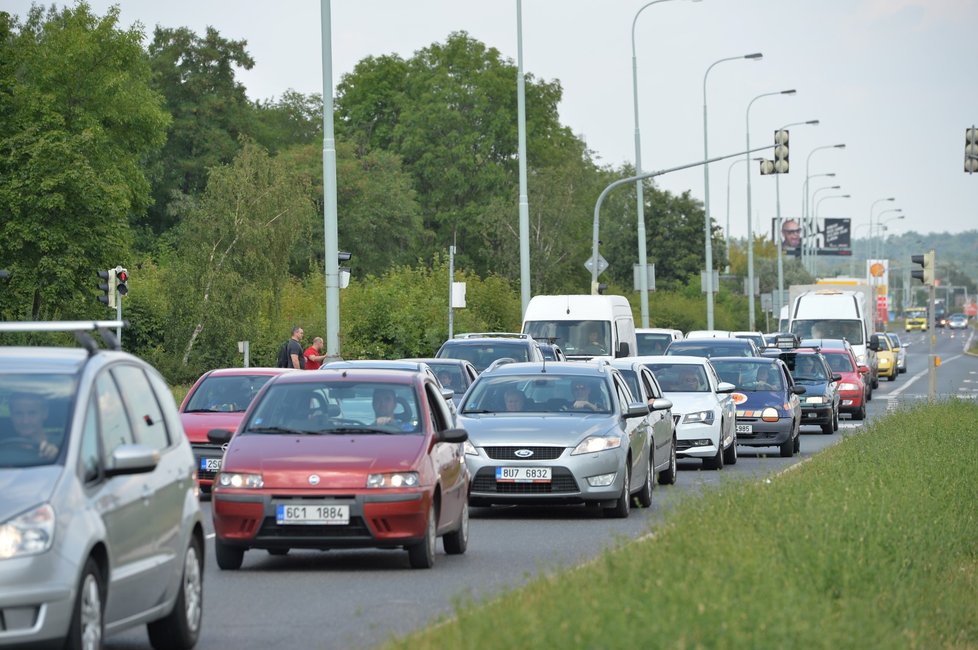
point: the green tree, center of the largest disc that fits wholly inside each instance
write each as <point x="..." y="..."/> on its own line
<point x="293" y="119"/>
<point x="79" y="117"/>
<point x="232" y="252"/>
<point x="196" y="75"/>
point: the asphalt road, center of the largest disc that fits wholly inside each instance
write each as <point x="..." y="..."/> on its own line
<point x="357" y="599"/>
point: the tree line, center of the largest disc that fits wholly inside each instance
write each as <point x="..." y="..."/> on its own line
<point x="150" y="155"/>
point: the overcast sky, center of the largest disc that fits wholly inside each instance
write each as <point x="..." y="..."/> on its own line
<point x="895" y="80"/>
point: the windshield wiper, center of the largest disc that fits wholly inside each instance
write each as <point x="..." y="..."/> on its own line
<point x="467" y="411"/>
<point x="203" y="411"/>
<point x="342" y="430"/>
<point x="287" y="430"/>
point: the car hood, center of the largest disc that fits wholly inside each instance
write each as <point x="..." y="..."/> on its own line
<point x="760" y="399"/>
<point x="691" y="402"/>
<point x="814" y="388"/>
<point x="198" y="424"/>
<point x="26" y="487"/>
<point x="340" y="461"/>
<point x="558" y="429"/>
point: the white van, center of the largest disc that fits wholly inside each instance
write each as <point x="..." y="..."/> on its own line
<point x="836" y="314"/>
<point x="584" y="326"/>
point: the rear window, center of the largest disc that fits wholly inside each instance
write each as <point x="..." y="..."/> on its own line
<point x="651" y="344"/>
<point x="481" y="355"/>
<point x="225" y="394"/>
<point x="680" y="377"/>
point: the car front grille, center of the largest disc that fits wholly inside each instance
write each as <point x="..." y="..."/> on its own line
<point x="561" y="481"/>
<point x="509" y="453"/>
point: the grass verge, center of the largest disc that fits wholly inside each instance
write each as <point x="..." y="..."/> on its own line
<point x="873" y="543"/>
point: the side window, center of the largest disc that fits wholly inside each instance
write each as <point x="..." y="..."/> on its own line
<point x="650" y="388"/>
<point x="89" y="467"/>
<point x="624" y="396"/>
<point x="147" y="418"/>
<point x="112" y="415"/>
<point x="440" y="418"/>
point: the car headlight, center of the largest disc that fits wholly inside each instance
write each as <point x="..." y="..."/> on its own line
<point x="816" y="399"/>
<point x="238" y="480"/>
<point x="28" y="534"/>
<point x="470" y="449"/>
<point x="699" y="417"/>
<point x="770" y="414"/>
<point x="593" y="444"/>
<point x="393" y="480"/>
<point x="848" y="386"/>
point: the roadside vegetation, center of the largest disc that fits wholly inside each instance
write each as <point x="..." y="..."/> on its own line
<point x="871" y="544"/>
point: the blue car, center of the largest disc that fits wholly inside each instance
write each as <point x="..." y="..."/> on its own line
<point x="769" y="411"/>
<point x="821" y="403"/>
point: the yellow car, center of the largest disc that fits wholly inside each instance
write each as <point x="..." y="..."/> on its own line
<point x="886" y="358"/>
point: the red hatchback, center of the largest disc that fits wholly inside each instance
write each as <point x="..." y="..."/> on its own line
<point x="218" y="400"/>
<point x="343" y="458"/>
<point x="852" y="388"/>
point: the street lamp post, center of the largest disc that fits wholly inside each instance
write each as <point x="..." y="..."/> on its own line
<point x="805" y="243"/>
<point x="708" y="224"/>
<point x="777" y="231"/>
<point x="639" y="189"/>
<point x="872" y="206"/>
<point x="750" y="226"/>
<point x="727" y="230"/>
<point x="882" y="228"/>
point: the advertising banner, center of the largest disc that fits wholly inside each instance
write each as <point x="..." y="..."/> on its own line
<point x="830" y="236"/>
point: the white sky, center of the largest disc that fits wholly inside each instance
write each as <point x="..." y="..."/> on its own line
<point x="895" y="80"/>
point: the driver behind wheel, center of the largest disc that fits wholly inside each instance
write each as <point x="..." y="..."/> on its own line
<point x="384" y="403"/>
<point x="27" y="414"/>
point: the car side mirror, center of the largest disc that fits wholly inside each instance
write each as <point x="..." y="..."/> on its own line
<point x="863" y="369"/>
<point x="623" y="350"/>
<point x="725" y="387"/>
<point x="661" y="404"/>
<point x="453" y="435"/>
<point x="447" y="393"/>
<point x="132" y="459"/>
<point x="874" y="343"/>
<point x="637" y="410"/>
<point x="836" y="377"/>
<point x="799" y="390"/>
<point x="219" y="436"/>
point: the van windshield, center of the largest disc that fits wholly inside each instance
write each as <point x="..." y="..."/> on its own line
<point x="578" y="338"/>
<point x="850" y="330"/>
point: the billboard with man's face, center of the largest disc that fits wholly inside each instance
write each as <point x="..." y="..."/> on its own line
<point x="828" y="236"/>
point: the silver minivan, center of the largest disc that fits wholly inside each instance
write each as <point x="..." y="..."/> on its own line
<point x="100" y="525"/>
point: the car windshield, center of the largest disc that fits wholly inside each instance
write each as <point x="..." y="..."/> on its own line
<point x="225" y="393"/>
<point x="807" y="368"/>
<point x="916" y="313"/>
<point x="326" y="407"/>
<point x="680" y="377"/>
<point x="652" y="343"/>
<point x="482" y="354"/>
<point x="577" y="338"/>
<point x="750" y="376"/>
<point x="884" y="342"/>
<point x="34" y="410"/>
<point x="894" y="340"/>
<point x="710" y="348"/>
<point x="851" y="330"/>
<point x="550" y="393"/>
<point x="839" y="362"/>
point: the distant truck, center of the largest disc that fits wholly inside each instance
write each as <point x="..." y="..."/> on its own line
<point x="915" y="318"/>
<point x="584" y="326"/>
<point x="823" y="311"/>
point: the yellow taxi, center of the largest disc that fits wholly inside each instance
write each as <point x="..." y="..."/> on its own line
<point x="886" y="357"/>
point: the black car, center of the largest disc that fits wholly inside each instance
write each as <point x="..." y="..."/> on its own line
<point x="712" y="348"/>
<point x="820" y="403"/>
<point x="481" y="349"/>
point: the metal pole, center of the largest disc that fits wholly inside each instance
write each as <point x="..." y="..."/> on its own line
<point x="118" y="314"/>
<point x="524" y="199"/>
<point x="932" y="356"/>
<point x="451" y="280"/>
<point x="777" y="242"/>
<point x="329" y="193"/>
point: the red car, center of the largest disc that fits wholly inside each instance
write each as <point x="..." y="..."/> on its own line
<point x="852" y="388"/>
<point x="343" y="458"/>
<point x="218" y="400"/>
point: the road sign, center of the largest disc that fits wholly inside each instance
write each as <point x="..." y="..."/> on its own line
<point x="602" y="264"/>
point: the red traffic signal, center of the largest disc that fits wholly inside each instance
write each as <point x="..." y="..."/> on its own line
<point x="122" y="278"/>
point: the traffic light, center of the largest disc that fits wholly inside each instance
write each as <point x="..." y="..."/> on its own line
<point x="925" y="274"/>
<point x="781" y="151"/>
<point x="971" y="150"/>
<point x="122" y="280"/>
<point x="344" y="271"/>
<point x="767" y="167"/>
<point x="598" y="288"/>
<point x="107" y="286"/>
<point x="343" y="256"/>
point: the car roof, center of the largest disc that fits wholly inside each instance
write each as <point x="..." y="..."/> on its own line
<point x="576" y="368"/>
<point x="43" y="359"/>
<point x="391" y="375"/>
<point x="379" y="364"/>
<point x="759" y="360"/>
<point x="676" y="359"/>
<point x="441" y="361"/>
<point x="246" y="372"/>
<point x="733" y="342"/>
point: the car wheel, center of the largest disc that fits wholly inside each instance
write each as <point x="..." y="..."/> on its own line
<point x="787" y="448"/>
<point x="798" y="438"/>
<point x="623" y="506"/>
<point x="278" y="551"/>
<point x="668" y="475"/>
<point x="827" y="428"/>
<point x="457" y="541"/>
<point x="180" y="628"/>
<point x="835" y="420"/>
<point x="87" y="622"/>
<point x="860" y="414"/>
<point x="716" y="462"/>
<point x="876" y="381"/>
<point x="730" y="453"/>
<point x="869" y="395"/>
<point x="422" y="554"/>
<point x="644" y="496"/>
<point x="228" y="557"/>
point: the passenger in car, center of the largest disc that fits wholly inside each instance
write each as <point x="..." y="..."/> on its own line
<point x="515" y="400"/>
<point x="28" y="412"/>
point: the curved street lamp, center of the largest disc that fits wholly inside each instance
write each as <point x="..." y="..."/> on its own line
<point x="750" y="223"/>
<point x="777" y="231"/>
<point x="806" y="215"/>
<point x="639" y="190"/>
